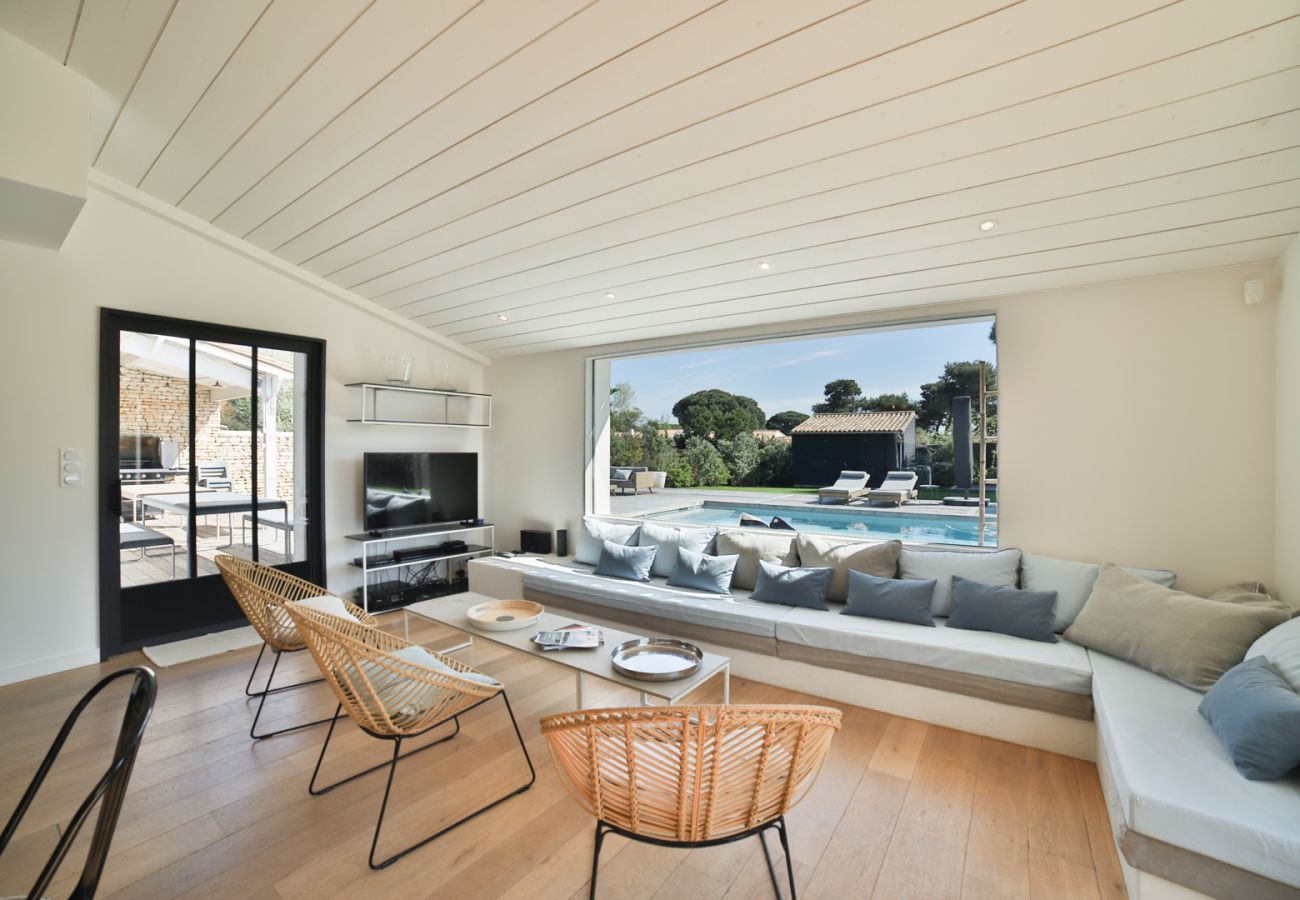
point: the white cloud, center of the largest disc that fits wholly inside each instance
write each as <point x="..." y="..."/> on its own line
<point x="806" y="358"/>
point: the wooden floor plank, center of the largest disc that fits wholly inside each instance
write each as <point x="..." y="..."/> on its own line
<point x="902" y="809"/>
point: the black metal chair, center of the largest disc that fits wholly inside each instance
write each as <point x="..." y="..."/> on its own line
<point x="108" y="793"/>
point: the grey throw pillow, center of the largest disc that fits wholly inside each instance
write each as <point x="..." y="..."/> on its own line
<point x="622" y="561"/>
<point x="1180" y="636"/>
<point x="668" y="539"/>
<point x="792" y="586"/>
<point x="899" y="599"/>
<point x="595" y="531"/>
<point x="1001" y="567"/>
<point x="1256" y="715"/>
<point x="703" y="573"/>
<point x="1005" y="610"/>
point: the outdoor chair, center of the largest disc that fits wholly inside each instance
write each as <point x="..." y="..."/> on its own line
<point x="108" y="793"/>
<point x="848" y="487"/>
<point x="394" y="690"/>
<point x="215" y="474"/>
<point x="637" y="478"/>
<point x="691" y="776"/>
<point x="897" y="488"/>
<point x="261" y="592"/>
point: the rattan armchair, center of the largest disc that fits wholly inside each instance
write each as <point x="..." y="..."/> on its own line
<point x="394" y="690"/>
<point x="691" y="776"/>
<point x="261" y="592"/>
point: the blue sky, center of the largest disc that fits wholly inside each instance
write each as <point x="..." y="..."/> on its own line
<point x="792" y="374"/>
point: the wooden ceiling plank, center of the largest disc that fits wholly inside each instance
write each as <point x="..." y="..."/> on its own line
<point x="384" y="39"/>
<point x="921" y="165"/>
<point x="1169" y="32"/>
<point x="686" y="74"/>
<point x="564" y="51"/>
<point x="494" y="30"/>
<point x="806" y="300"/>
<point x="1262" y="251"/>
<point x="1256" y="203"/>
<point x="198" y="40"/>
<point x="1018" y="204"/>
<point x="1237" y="181"/>
<point x="285" y="43"/>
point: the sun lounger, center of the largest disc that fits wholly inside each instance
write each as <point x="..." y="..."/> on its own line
<point x="897" y="488"/>
<point x="848" y="487"/>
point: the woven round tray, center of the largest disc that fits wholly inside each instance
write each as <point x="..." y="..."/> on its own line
<point x="505" y="615"/>
<point x="656" y="659"/>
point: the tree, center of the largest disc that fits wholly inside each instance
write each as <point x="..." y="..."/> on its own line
<point x="237" y="414"/>
<point x="740" y="455"/>
<point x="886" y="402"/>
<point x="715" y="414"/>
<point x="785" y="422"/>
<point x="623" y="414"/>
<point x="626" y="449"/>
<point x="958" y="379"/>
<point x="842" y="395"/>
<point x="773" y="468"/>
<point x="706" y="463"/>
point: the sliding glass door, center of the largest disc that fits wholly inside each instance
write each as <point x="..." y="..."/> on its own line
<point x="210" y="443"/>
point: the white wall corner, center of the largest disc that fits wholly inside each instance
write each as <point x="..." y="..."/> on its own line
<point x="193" y="224"/>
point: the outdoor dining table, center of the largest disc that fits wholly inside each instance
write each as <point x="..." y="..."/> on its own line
<point x="216" y="503"/>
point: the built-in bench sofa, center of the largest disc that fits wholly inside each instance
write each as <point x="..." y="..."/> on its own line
<point x="1187" y="824"/>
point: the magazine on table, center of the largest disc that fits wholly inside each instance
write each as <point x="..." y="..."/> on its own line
<point x="570" y="637"/>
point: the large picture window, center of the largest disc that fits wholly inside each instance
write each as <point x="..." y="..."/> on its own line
<point x="879" y="434"/>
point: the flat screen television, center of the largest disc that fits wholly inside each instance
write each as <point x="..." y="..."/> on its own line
<point x="404" y="489"/>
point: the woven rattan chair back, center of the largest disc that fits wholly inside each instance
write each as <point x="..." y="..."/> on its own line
<point x="690" y="773"/>
<point x="383" y="693"/>
<point x="262" y="591"/>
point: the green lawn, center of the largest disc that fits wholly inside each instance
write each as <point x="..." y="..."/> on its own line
<point x="763" y="490"/>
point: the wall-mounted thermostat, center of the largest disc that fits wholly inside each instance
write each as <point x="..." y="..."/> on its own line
<point x="70" y="467"/>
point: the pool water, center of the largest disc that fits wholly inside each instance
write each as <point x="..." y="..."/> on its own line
<point x="917" y="528"/>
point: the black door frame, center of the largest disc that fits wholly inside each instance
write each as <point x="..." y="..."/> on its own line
<point x="208" y="590"/>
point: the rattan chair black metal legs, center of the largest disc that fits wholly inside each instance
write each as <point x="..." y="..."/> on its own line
<point x="108" y="793"/>
<point x="261" y="695"/>
<point x="398" y="756"/>
<point x="777" y="825"/>
<point x="395" y="690"/>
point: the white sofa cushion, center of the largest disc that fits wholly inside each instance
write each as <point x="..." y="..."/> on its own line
<point x="736" y="613"/>
<point x="1000" y="568"/>
<point x="669" y="538"/>
<point x="1073" y="582"/>
<point x="1176" y="783"/>
<point x="1062" y="666"/>
<point x="594" y="533"/>
<point x="1281" y="647"/>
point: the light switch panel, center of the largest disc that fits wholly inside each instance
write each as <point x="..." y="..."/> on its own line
<point x="70" y="459"/>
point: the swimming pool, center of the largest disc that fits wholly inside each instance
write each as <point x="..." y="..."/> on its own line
<point x="917" y="528"/>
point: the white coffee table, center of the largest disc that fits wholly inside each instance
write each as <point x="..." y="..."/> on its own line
<point x="450" y="611"/>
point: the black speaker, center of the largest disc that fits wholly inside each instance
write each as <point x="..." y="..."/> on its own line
<point x="562" y="542"/>
<point x="535" y="541"/>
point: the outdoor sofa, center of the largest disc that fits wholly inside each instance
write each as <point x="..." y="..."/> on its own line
<point x="634" y="478"/>
<point x="1186" y="823"/>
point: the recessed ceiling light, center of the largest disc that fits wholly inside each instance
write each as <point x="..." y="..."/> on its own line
<point x="610" y="295"/>
<point x="503" y="317"/>
<point x="765" y="265"/>
<point x="988" y="224"/>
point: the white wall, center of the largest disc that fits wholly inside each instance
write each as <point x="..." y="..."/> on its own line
<point x="1287" y="480"/>
<point x="1136" y="425"/>
<point x="121" y="256"/>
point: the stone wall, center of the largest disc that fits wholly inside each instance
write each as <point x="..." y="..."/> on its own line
<point x="157" y="404"/>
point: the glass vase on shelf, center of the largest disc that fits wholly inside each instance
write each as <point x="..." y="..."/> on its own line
<point x="397" y="369"/>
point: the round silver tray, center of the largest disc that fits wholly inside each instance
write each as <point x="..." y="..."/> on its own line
<point x="656" y="659"/>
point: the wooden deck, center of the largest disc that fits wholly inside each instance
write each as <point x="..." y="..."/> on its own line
<point x="213" y="537"/>
<point x="902" y="809"/>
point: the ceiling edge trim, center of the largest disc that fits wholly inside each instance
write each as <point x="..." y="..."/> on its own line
<point x="193" y="224"/>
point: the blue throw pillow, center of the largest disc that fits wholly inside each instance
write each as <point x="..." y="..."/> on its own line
<point x="899" y="599"/>
<point x="703" y="573"/>
<point x="791" y="586"/>
<point x="1256" y="714"/>
<point x="623" y="561"/>
<point x="1006" y="610"/>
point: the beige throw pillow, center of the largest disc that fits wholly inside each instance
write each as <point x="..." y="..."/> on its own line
<point x="880" y="560"/>
<point x="1190" y="639"/>
<point x="751" y="547"/>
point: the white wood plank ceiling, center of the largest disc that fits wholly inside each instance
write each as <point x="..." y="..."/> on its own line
<point x="528" y="175"/>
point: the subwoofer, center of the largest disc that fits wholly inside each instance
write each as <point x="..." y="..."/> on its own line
<point x="535" y="541"/>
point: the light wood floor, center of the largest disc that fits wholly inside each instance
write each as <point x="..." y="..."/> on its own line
<point x="902" y="809"/>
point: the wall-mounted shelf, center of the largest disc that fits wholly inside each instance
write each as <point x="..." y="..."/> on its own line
<point x="397" y="404"/>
